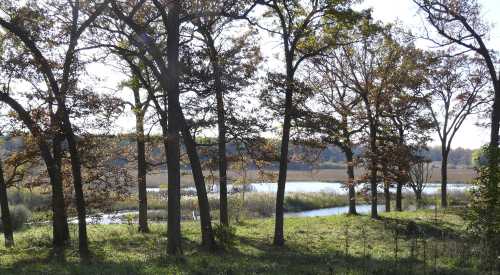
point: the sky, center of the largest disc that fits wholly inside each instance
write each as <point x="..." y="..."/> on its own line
<point x="469" y="136"/>
<point x="405" y="11"/>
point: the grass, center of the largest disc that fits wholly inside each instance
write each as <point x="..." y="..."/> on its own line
<point x="329" y="245"/>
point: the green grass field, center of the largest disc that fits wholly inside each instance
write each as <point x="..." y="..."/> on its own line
<point x="330" y="245"/>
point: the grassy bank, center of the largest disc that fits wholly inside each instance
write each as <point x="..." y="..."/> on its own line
<point x="262" y="205"/>
<point x="332" y="245"/>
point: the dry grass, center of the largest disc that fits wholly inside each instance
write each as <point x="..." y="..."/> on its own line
<point x="462" y="175"/>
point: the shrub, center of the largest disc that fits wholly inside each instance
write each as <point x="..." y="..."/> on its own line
<point x="19" y="215"/>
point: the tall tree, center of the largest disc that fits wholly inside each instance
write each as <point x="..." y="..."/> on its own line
<point x="139" y="108"/>
<point x="298" y="23"/>
<point x="460" y="22"/>
<point x="457" y="91"/>
<point x="233" y="62"/>
<point x="19" y="26"/>
<point x="332" y="114"/>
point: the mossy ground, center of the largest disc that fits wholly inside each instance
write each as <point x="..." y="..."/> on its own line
<point x="329" y="245"/>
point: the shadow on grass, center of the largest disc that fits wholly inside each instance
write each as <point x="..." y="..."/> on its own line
<point x="146" y="254"/>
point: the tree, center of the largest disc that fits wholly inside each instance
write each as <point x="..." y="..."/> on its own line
<point x="233" y="63"/>
<point x="420" y="174"/>
<point x="457" y="88"/>
<point x="331" y="114"/>
<point x="459" y="22"/>
<point x="298" y="25"/>
<point x="139" y="108"/>
<point x="20" y="27"/>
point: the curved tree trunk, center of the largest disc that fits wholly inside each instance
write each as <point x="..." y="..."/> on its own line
<point x="4" y="205"/>
<point x="207" y="237"/>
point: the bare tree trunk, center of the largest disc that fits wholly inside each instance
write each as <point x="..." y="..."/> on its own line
<point x="418" y="196"/>
<point x="57" y="152"/>
<point x="173" y="150"/>
<point x="399" y="196"/>
<point x="207" y="237"/>
<point x="444" y="177"/>
<point x="373" y="171"/>
<point x="221" y="124"/>
<point x="76" y="166"/>
<point x="141" y="172"/>
<point x="4" y="204"/>
<point x="387" y="197"/>
<point x="279" y="238"/>
<point x="350" y="177"/>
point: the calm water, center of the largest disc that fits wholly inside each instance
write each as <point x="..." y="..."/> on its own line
<point x="329" y="187"/>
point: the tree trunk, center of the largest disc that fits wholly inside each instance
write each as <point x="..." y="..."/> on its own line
<point x="350" y="177"/>
<point x="492" y="189"/>
<point x="418" y="196"/>
<point x="444" y="178"/>
<point x="4" y="204"/>
<point x="141" y="172"/>
<point x="207" y="237"/>
<point x="57" y="152"/>
<point x="399" y="196"/>
<point x="279" y="238"/>
<point x="387" y="197"/>
<point x="76" y="166"/>
<point x="173" y="150"/>
<point x="221" y="124"/>
<point x="373" y="170"/>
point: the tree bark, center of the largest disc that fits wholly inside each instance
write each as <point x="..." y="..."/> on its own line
<point x="173" y="137"/>
<point x="387" y="197"/>
<point x="279" y="239"/>
<point x="4" y="204"/>
<point x="399" y="196"/>
<point x="350" y="177"/>
<point x="207" y="237"/>
<point x="444" y="176"/>
<point x="221" y="124"/>
<point x="76" y="171"/>
<point x="141" y="171"/>
<point x="373" y="170"/>
<point x="57" y="152"/>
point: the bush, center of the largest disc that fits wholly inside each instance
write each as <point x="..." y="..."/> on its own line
<point x="225" y="235"/>
<point x="19" y="215"/>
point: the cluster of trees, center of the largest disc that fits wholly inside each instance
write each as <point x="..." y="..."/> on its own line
<point x="193" y="66"/>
